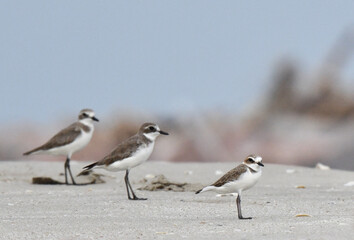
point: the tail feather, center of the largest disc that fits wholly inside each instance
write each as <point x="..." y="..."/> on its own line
<point x="207" y="188"/>
<point x="36" y="150"/>
<point x="27" y="153"/>
<point x="87" y="169"/>
<point x="197" y="192"/>
<point x="30" y="152"/>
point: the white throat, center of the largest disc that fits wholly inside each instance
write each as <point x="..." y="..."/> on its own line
<point x="151" y="136"/>
<point x="254" y="167"/>
<point x="87" y="122"/>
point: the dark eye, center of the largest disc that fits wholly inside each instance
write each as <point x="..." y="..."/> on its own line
<point x="85" y="115"/>
<point x="251" y="160"/>
<point x="152" y="129"/>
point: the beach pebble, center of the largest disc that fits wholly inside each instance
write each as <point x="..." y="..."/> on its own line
<point x="349" y="184"/>
<point x="149" y="176"/>
<point x="321" y="166"/>
<point x="302" y="215"/>
<point x="218" y="172"/>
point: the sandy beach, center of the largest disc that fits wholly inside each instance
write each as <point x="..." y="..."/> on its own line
<point x="287" y="203"/>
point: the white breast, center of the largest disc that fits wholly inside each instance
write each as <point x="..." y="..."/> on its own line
<point x="140" y="156"/>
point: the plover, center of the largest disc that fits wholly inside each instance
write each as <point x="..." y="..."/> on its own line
<point x="69" y="140"/>
<point x="241" y="178"/>
<point x="129" y="154"/>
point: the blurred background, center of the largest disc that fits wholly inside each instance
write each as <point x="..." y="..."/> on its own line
<point x="225" y="78"/>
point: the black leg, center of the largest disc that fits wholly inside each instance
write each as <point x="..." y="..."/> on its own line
<point x="67" y="166"/>
<point x="134" y="196"/>
<point x="65" y="172"/>
<point x="238" y="203"/>
<point x="127" y="183"/>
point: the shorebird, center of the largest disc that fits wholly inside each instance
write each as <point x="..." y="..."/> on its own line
<point x="69" y="140"/>
<point x="129" y="154"/>
<point x="241" y="178"/>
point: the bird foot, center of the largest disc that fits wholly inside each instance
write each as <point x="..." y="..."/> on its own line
<point x="136" y="198"/>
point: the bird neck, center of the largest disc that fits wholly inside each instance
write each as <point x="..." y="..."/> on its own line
<point x="87" y="122"/>
<point x="150" y="137"/>
<point x="254" y="168"/>
<point x="147" y="139"/>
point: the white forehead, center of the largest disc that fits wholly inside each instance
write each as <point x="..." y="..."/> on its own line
<point x="89" y="112"/>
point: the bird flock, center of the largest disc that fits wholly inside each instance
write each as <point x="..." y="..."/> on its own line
<point x="136" y="150"/>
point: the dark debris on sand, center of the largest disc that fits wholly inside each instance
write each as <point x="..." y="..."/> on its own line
<point x="161" y="183"/>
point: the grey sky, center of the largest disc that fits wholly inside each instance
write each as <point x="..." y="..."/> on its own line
<point x="57" y="57"/>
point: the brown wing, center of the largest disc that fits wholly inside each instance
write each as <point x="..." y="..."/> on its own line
<point x="123" y="150"/>
<point x="231" y="175"/>
<point x="65" y="136"/>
